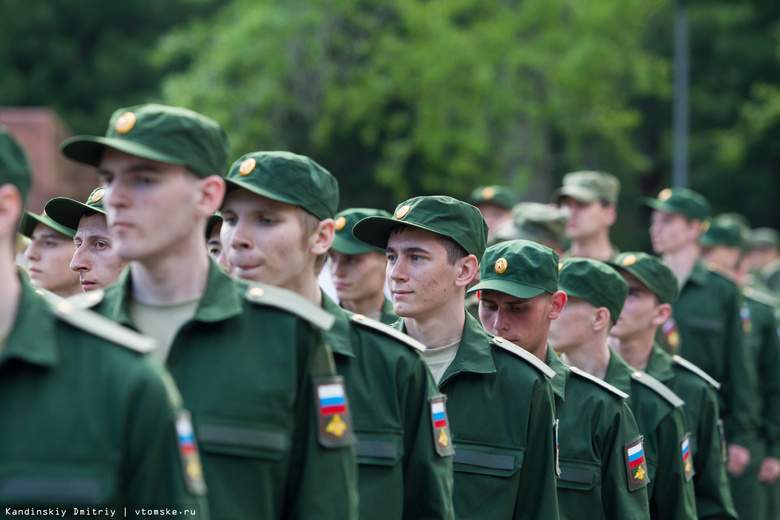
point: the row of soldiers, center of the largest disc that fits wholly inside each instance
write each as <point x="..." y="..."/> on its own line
<point x="240" y="389"/>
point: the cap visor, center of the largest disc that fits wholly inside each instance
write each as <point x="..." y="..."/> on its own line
<point x="89" y="149"/>
<point x="575" y="192"/>
<point x="30" y="221"/>
<point x="661" y="206"/>
<point x="347" y="246"/>
<point x="68" y="212"/>
<point x="515" y="289"/>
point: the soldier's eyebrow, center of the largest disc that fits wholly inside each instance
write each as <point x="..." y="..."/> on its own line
<point x="50" y="234"/>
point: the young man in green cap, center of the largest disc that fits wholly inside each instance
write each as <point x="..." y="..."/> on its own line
<point x="278" y="226"/>
<point x="518" y="301"/>
<point x="596" y="294"/>
<point x="722" y="244"/>
<point x="358" y="270"/>
<point x="652" y="287"/>
<point x="49" y="254"/>
<point x="249" y="361"/>
<point x="705" y="326"/>
<point x="89" y="419"/>
<point x="589" y="200"/>
<point x="498" y="395"/>
<point x="495" y="204"/>
<point x="95" y="260"/>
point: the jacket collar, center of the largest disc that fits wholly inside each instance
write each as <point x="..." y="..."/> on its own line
<point x="618" y="373"/>
<point x="33" y="336"/>
<point x="659" y="365"/>
<point x="339" y="337"/>
<point x="561" y="371"/>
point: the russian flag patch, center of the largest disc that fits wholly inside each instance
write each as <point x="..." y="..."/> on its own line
<point x="442" y="438"/>
<point x="687" y="457"/>
<point x="335" y="422"/>
<point x="636" y="465"/>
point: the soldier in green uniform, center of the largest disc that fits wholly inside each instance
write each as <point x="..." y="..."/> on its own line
<point x="89" y="420"/>
<point x="765" y="257"/>
<point x="249" y="360"/>
<point x="95" y="260"/>
<point x="589" y="200"/>
<point x="358" y="269"/>
<point x="495" y="203"/>
<point x="49" y="254"/>
<point x="705" y="326"/>
<point x="652" y="289"/>
<point x="723" y="243"/>
<point x="519" y="298"/>
<point x="283" y="202"/>
<point x="499" y="396"/>
<point x="596" y="294"/>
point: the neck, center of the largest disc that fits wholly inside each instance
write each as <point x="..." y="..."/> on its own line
<point x="682" y="261"/>
<point x="172" y="279"/>
<point x="597" y="247"/>
<point x="540" y="351"/>
<point x="307" y="286"/>
<point x="635" y="350"/>
<point x="12" y="290"/>
<point x="591" y="356"/>
<point x="439" y="330"/>
<point x="366" y="306"/>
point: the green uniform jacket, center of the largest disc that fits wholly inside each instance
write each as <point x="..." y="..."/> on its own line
<point x="706" y="314"/>
<point x="244" y="369"/>
<point x="388" y="317"/>
<point x="400" y="475"/>
<point x="699" y="391"/>
<point x="501" y="414"/>
<point x="594" y="424"/>
<point x="661" y="420"/>
<point x="770" y="277"/>
<point x="86" y="421"/>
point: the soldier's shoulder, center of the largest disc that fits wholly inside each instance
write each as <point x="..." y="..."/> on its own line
<point x="693" y="369"/>
<point x="598" y="382"/>
<point x="261" y="295"/>
<point x="377" y="327"/>
<point x="720" y="276"/>
<point x="521" y="353"/>
<point x="658" y="387"/>
<point x="760" y="297"/>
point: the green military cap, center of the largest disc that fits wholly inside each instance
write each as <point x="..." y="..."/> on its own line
<point x="534" y="221"/>
<point x="161" y="133"/>
<point x="14" y="164"/>
<point x="587" y="186"/>
<point x="68" y="212"/>
<point x="439" y="214"/>
<point x="594" y="281"/>
<point x="681" y="201"/>
<point x="651" y="271"/>
<point x="721" y="232"/>
<point x="519" y="268"/>
<point x="498" y="195"/>
<point x="213" y="220"/>
<point x="287" y="177"/>
<point x="765" y="238"/>
<point x="344" y="241"/>
<point x="30" y="220"/>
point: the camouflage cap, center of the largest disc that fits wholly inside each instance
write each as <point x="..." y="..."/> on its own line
<point x="587" y="186"/>
<point x="287" y="177"/>
<point x="495" y="194"/>
<point x="680" y="201"/>
<point x="765" y="238"/>
<point x="519" y="268"/>
<point x="161" y="133"/>
<point x="438" y="214"/>
<point x="722" y="232"/>
<point x="14" y="164"/>
<point x="533" y="221"/>
<point x="31" y="220"/>
<point x="68" y="212"/>
<point x="651" y="271"/>
<point x="595" y="282"/>
<point x="344" y="241"/>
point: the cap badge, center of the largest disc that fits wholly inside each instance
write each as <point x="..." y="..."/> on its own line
<point x="665" y="194"/>
<point x="488" y="193"/>
<point x="247" y="166"/>
<point x="402" y="212"/>
<point x="629" y="260"/>
<point x="97" y="195"/>
<point x="340" y="223"/>
<point x="705" y="225"/>
<point x="125" y="123"/>
<point x="500" y="266"/>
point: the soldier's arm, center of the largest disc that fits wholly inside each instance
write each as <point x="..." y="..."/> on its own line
<point x="673" y="496"/>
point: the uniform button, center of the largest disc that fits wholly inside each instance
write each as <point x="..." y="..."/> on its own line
<point x="359" y="317"/>
<point x="257" y="292"/>
<point x="637" y="374"/>
<point x="499" y="340"/>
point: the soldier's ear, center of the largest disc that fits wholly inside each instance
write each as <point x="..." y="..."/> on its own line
<point x="211" y="195"/>
<point x="602" y="319"/>
<point x="661" y="313"/>
<point x="469" y="268"/>
<point x="10" y="212"/>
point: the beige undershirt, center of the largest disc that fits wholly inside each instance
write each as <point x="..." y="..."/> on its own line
<point x="375" y="316"/>
<point x="162" y="322"/>
<point x="438" y="359"/>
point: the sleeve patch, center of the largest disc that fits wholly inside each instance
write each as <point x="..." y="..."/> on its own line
<point x="687" y="458"/>
<point x="636" y="465"/>
<point x="335" y="422"/>
<point x="188" y="452"/>
<point x="442" y="438"/>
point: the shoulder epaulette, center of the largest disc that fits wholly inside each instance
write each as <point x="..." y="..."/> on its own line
<point x="99" y="325"/>
<point x="760" y="297"/>
<point x="289" y="301"/>
<point x="522" y="354"/>
<point x="600" y="382"/>
<point x="87" y="300"/>
<point x="720" y="272"/>
<point x="696" y="370"/>
<point x="659" y="388"/>
<point x="388" y="331"/>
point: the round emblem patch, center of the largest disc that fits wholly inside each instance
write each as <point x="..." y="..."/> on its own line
<point x="629" y="260"/>
<point x="402" y="212"/>
<point x="488" y="193"/>
<point x="340" y="223"/>
<point x="124" y="123"/>
<point x="500" y="266"/>
<point x="247" y="166"/>
<point x="97" y="195"/>
<point x="705" y="225"/>
<point x="665" y="194"/>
